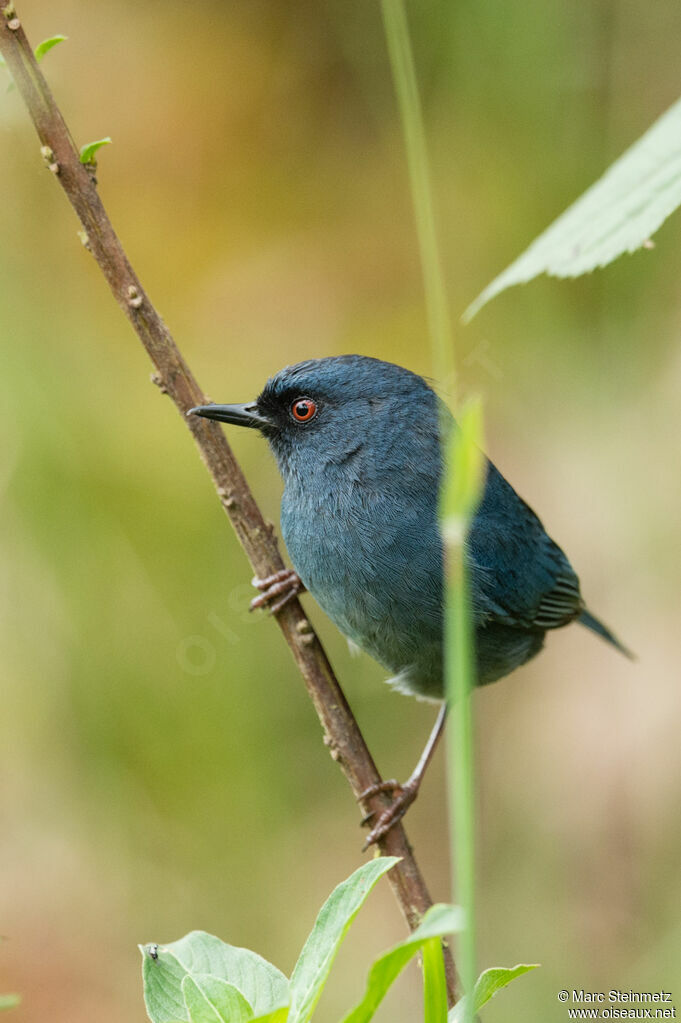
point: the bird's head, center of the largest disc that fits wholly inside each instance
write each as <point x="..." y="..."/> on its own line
<point x="332" y="407"/>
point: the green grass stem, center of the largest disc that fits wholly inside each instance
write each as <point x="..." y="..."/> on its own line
<point x="406" y="87"/>
<point x="460" y="493"/>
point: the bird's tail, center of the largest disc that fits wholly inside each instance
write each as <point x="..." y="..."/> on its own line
<point x="597" y="626"/>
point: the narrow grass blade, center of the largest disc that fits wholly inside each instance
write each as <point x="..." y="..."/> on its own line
<point x="406" y="88"/>
<point x="461" y="493"/>
<point x="434" y="983"/>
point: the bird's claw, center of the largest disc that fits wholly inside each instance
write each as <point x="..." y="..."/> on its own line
<point x="391" y="786"/>
<point x="403" y="796"/>
<point x="277" y="590"/>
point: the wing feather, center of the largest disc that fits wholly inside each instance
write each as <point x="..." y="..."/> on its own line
<point x="520" y="576"/>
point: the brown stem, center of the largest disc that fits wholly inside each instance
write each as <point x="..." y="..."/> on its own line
<point x="341" y="733"/>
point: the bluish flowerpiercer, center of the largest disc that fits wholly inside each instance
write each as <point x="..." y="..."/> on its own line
<point x="357" y="442"/>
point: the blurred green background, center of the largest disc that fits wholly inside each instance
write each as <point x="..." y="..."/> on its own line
<point x="161" y="765"/>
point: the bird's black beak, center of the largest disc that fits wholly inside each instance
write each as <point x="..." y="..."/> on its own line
<point x="238" y="415"/>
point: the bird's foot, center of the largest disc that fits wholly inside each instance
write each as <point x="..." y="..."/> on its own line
<point x="403" y="796"/>
<point x="277" y="590"/>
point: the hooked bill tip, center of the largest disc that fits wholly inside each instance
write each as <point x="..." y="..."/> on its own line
<point x="237" y="415"/>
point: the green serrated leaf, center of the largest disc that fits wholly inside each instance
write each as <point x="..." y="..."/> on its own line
<point x="332" y="924"/>
<point x="438" y="921"/>
<point x="88" y="151"/>
<point x="212" y="1000"/>
<point x="9" y="1001"/>
<point x="619" y="213"/>
<point x="263" y="986"/>
<point x="46" y="45"/>
<point x="488" y="983"/>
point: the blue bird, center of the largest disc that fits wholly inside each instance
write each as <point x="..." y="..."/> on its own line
<point x="358" y="444"/>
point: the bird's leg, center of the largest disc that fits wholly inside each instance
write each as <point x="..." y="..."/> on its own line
<point x="405" y="794"/>
<point x="277" y="590"/>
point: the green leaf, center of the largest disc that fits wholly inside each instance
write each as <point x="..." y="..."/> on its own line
<point x="488" y="983"/>
<point x="617" y="214"/>
<point x="331" y="926"/>
<point x="263" y="986"/>
<point x="9" y="1001"/>
<point x="278" y="1016"/>
<point x="211" y="1000"/>
<point x="438" y="921"/>
<point x="87" y="152"/>
<point x="46" y="45"/>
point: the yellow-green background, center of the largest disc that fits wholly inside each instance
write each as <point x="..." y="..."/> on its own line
<point x="152" y="782"/>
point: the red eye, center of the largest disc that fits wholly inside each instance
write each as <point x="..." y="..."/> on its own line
<point x="303" y="410"/>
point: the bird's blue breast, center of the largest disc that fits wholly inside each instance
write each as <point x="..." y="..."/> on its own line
<point x="362" y="534"/>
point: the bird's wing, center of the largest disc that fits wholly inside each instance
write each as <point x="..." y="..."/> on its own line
<point x="520" y="577"/>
